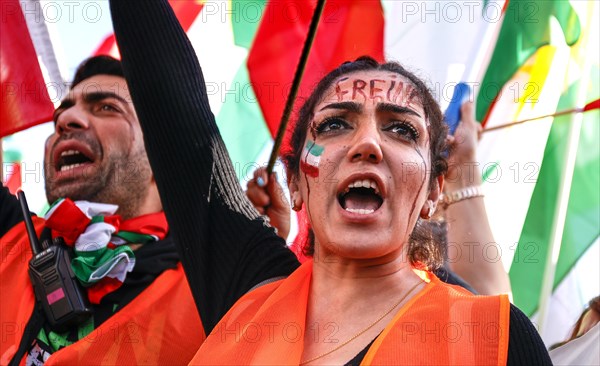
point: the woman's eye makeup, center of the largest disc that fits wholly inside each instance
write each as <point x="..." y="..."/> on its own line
<point x="331" y="124"/>
<point x="403" y="129"/>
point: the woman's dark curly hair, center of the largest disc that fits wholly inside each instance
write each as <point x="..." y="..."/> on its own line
<point x="425" y="250"/>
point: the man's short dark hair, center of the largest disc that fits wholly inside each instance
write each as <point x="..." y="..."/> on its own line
<point x="97" y="65"/>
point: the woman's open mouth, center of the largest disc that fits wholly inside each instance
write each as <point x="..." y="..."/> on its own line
<point x="361" y="196"/>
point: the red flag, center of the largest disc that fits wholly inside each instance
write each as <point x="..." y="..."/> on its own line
<point x="347" y="29"/>
<point x="592" y="105"/>
<point x="13" y="178"/>
<point x="25" y="100"/>
<point x="186" y="12"/>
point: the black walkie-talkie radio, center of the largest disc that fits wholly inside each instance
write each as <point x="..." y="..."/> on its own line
<point x="61" y="295"/>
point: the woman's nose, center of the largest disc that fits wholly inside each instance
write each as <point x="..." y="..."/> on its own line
<point x="366" y="146"/>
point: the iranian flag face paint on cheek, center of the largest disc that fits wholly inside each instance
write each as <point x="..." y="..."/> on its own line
<point x="311" y="156"/>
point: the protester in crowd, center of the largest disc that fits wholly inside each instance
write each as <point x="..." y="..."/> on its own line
<point x="108" y="209"/>
<point x="468" y="231"/>
<point x="369" y="295"/>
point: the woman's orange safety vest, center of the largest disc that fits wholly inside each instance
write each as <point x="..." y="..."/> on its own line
<point x="441" y="325"/>
<point x="160" y="326"/>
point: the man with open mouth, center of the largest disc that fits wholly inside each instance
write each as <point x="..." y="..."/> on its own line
<point x="106" y="207"/>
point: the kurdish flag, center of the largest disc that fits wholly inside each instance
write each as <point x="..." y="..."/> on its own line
<point x="542" y="67"/>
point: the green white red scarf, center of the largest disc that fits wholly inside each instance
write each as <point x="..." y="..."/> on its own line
<point x="101" y="260"/>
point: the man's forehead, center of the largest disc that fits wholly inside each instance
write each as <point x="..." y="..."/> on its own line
<point x="100" y="83"/>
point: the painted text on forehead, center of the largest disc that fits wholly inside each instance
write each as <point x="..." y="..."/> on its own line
<point x="390" y="88"/>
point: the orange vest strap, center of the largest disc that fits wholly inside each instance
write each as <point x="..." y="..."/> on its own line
<point x="442" y="324"/>
<point x="462" y="329"/>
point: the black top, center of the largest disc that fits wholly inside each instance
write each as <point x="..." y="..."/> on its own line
<point x="224" y="245"/>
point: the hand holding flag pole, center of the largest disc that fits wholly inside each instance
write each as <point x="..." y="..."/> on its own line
<point x="312" y="31"/>
<point x="588" y="107"/>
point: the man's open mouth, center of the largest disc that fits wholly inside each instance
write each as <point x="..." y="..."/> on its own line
<point x="361" y="196"/>
<point x="71" y="159"/>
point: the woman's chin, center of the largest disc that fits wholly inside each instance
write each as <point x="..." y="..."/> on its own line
<point x="357" y="247"/>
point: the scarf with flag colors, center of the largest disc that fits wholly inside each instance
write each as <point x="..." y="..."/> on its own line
<point x="101" y="257"/>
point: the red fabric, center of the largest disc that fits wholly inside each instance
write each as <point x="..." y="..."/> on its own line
<point x="592" y="105"/>
<point x="25" y="100"/>
<point x="68" y="221"/>
<point x="13" y="182"/>
<point x="150" y="224"/>
<point x="186" y="12"/>
<point x="108" y="47"/>
<point x="114" y="220"/>
<point x="103" y="287"/>
<point x="347" y="30"/>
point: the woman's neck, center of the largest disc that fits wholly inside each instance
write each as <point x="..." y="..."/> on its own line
<point x="354" y="299"/>
<point x="350" y="279"/>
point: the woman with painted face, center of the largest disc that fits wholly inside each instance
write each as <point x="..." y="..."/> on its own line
<point x="365" y="160"/>
<point x="365" y="163"/>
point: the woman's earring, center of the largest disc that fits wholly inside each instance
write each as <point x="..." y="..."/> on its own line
<point x="426" y="215"/>
<point x="296" y="207"/>
<point x="296" y="203"/>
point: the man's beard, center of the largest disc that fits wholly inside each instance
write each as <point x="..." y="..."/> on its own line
<point x="120" y="180"/>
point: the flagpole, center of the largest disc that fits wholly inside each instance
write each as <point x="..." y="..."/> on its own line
<point x="310" y="37"/>
<point x="590" y="106"/>
<point x="564" y="190"/>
